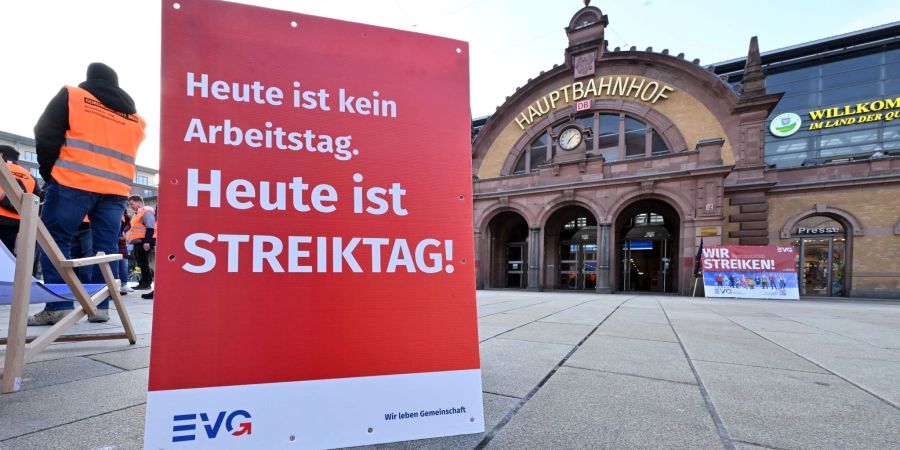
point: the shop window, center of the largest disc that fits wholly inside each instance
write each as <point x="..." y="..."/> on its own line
<point x="821" y="258"/>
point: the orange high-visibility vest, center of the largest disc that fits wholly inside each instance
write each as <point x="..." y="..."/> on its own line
<point x="100" y="148"/>
<point x="26" y="178"/>
<point x="138" y="230"/>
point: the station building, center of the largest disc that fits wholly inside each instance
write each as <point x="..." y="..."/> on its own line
<point x="605" y="172"/>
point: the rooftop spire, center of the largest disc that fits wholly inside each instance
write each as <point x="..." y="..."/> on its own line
<point x="754" y="82"/>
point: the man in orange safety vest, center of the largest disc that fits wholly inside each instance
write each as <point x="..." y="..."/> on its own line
<point x="87" y="141"/>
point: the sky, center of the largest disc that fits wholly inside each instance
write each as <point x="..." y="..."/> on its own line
<point x="47" y="44"/>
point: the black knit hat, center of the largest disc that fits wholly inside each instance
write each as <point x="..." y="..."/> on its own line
<point x="100" y="71"/>
<point x="9" y="153"/>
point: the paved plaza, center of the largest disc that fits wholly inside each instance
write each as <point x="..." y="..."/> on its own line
<point x="563" y="370"/>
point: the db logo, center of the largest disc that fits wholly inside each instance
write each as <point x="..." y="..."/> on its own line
<point x="184" y="426"/>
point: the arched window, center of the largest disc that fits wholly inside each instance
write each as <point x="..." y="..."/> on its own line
<point x="538" y="153"/>
<point x="614" y="136"/>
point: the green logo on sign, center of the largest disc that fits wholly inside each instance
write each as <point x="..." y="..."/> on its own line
<point x="784" y="125"/>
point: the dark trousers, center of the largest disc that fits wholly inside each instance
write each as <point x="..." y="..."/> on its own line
<point x="82" y="247"/>
<point x="63" y="210"/>
<point x="143" y="261"/>
<point x="8" y="236"/>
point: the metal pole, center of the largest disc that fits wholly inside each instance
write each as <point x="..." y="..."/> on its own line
<point x="665" y="256"/>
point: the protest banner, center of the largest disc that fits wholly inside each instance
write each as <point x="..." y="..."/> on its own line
<point x="750" y="271"/>
<point x="315" y="275"/>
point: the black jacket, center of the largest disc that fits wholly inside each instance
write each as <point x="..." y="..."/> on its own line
<point x="50" y="131"/>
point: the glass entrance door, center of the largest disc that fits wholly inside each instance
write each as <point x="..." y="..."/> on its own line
<point x="515" y="265"/>
<point x="647" y="265"/>
<point x="821" y="266"/>
<point x="577" y="266"/>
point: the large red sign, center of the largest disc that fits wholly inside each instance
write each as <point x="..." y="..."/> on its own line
<point x="315" y="190"/>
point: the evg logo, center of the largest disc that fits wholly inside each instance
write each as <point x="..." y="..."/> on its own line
<point x="185" y="426"/>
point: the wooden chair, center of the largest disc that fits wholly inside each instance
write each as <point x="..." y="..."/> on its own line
<point x="19" y="348"/>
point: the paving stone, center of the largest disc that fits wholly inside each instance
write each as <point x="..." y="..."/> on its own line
<point x="59" y="371"/>
<point x="70" y="349"/>
<point x="582" y="409"/>
<point x="543" y="310"/>
<point x="652" y="359"/>
<point x="738" y="346"/>
<point x="117" y="430"/>
<point x="873" y="368"/>
<point x="555" y="333"/>
<point x="486" y="332"/>
<point x="495" y="408"/>
<point x="512" y="367"/>
<point x="132" y="359"/>
<point x="37" y="409"/>
<point x="617" y="326"/>
<point x="505" y="319"/>
<point x="880" y="336"/>
<point x="587" y="314"/>
<point x="774" y="323"/>
<point x="787" y="409"/>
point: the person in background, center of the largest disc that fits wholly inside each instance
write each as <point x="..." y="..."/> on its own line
<point x="141" y="235"/>
<point x="123" y="249"/>
<point x="9" y="217"/>
<point x="149" y="295"/>
<point x="87" y="140"/>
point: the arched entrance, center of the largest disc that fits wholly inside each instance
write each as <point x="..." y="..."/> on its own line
<point x="508" y="240"/>
<point x="647" y="247"/>
<point x="570" y="243"/>
<point x="822" y="254"/>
